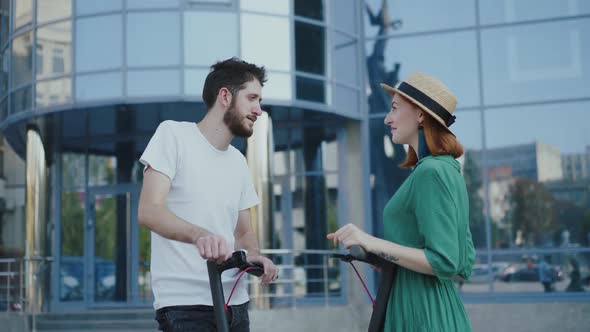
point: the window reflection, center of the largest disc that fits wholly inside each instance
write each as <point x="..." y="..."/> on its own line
<point x="53" y="92"/>
<point x="310" y="48"/>
<point x="531" y="199"/>
<point x="194" y="80"/>
<point x="99" y="43"/>
<point x="153" y="83"/>
<point x="310" y="8"/>
<point x="72" y="246"/>
<point x="519" y="63"/>
<point x="344" y="14"/>
<point x="22" y="99"/>
<point x="346" y="100"/>
<point x="260" y="31"/>
<point x="141" y="34"/>
<point x="84" y="7"/>
<point x="279" y="7"/>
<point x="523" y="10"/>
<point x="23" y="13"/>
<point x="455" y="64"/>
<point x="4" y="21"/>
<point x="445" y="14"/>
<point x="99" y="86"/>
<point x="54" y="51"/>
<point x="310" y="89"/>
<point x="22" y="61"/>
<point x="49" y="10"/>
<point x="133" y="4"/>
<point x="209" y="37"/>
<point x="344" y="59"/>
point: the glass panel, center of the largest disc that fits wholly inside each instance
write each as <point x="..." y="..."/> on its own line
<point x="194" y="80"/>
<point x="344" y="14"/>
<point x="310" y="48"/>
<point x="259" y="31"/>
<point x="99" y="42"/>
<point x="73" y="169"/>
<point x="493" y="11"/>
<point x="278" y="87"/>
<point x="144" y="278"/>
<point x="455" y="64"/>
<point x="421" y="15"/>
<point x="3" y="112"/>
<point x="49" y="10"/>
<point x="22" y="59"/>
<point x="84" y="7"/>
<point x="54" y="92"/>
<point x="520" y="62"/>
<point x="530" y="196"/>
<point x="153" y="83"/>
<point x="346" y="100"/>
<point x="23" y="13"/>
<point x="4" y="73"/>
<point x="279" y="7"/>
<point x="112" y="215"/>
<point x="310" y="89"/>
<point x="4" y="21"/>
<point x="133" y="4"/>
<point x="541" y="272"/>
<point x="72" y="246"/>
<point x="99" y="86"/>
<point x="345" y="59"/>
<point x="218" y="43"/>
<point x="102" y="170"/>
<point x="141" y="34"/>
<point x="310" y="8"/>
<point x="54" y="50"/>
<point x="22" y="99"/>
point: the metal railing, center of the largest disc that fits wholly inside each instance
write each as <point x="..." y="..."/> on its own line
<point x="305" y="277"/>
<point x="11" y="284"/>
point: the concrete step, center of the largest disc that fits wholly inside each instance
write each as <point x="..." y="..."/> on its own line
<point x="120" y="320"/>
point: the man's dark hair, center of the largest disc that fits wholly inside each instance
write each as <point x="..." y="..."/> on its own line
<point x="232" y="74"/>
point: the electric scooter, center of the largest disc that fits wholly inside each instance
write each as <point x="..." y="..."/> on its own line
<point x="388" y="271"/>
<point x="237" y="260"/>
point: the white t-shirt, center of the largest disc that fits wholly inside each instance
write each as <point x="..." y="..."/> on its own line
<point x="209" y="187"/>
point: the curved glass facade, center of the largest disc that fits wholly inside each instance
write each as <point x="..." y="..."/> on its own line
<point x="96" y="78"/>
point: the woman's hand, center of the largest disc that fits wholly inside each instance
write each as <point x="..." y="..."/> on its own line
<point x="350" y="235"/>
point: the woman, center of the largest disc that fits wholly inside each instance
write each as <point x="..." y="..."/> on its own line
<point x="426" y="223"/>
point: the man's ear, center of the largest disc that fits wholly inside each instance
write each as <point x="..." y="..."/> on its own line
<point x="224" y="97"/>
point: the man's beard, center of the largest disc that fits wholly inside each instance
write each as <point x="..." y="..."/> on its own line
<point x="234" y="122"/>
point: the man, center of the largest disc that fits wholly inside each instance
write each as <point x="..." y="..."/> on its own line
<point x="196" y="195"/>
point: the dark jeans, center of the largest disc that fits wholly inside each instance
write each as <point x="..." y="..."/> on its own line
<point x="201" y="318"/>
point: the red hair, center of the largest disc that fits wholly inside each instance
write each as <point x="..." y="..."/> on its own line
<point x="439" y="140"/>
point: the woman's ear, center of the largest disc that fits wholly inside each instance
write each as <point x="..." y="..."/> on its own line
<point x="420" y="117"/>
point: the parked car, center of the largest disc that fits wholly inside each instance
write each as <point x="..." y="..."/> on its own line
<point x="528" y="272"/>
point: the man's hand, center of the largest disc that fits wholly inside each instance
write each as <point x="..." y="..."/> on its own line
<point x="213" y="247"/>
<point x="271" y="273"/>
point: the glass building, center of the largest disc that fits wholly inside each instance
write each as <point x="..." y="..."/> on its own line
<point x="85" y="83"/>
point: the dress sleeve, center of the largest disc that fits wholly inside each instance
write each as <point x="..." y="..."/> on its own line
<point x="436" y="214"/>
<point x="161" y="153"/>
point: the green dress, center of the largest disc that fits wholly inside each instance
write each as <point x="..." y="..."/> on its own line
<point x="430" y="211"/>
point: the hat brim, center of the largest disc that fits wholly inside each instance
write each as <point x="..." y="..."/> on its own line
<point x="392" y="91"/>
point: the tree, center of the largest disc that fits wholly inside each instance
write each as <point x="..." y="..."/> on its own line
<point x="531" y="210"/>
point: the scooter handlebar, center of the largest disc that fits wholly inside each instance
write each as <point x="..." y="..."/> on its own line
<point x="240" y="261"/>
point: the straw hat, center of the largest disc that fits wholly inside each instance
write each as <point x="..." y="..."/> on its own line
<point x="429" y="94"/>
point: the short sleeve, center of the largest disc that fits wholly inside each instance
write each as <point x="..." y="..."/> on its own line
<point x="248" y="197"/>
<point x="437" y="222"/>
<point x="161" y="153"/>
